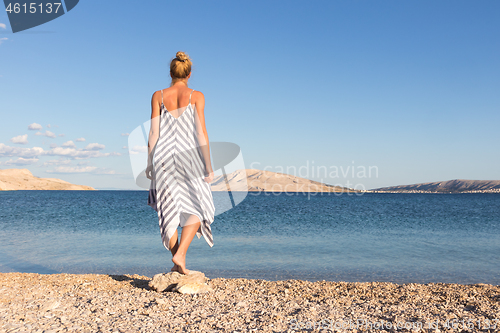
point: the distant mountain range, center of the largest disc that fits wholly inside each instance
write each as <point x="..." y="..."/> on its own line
<point x="255" y="180"/>
<point x="23" y="179"/>
<point x="450" y="186"/>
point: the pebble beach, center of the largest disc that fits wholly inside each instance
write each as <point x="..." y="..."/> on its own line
<point x="125" y="303"/>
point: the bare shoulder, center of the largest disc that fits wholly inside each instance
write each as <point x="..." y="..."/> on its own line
<point x="156" y="95"/>
<point x="198" y="96"/>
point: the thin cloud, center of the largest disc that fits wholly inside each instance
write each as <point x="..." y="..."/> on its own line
<point x="69" y="143"/>
<point x="20" y="139"/>
<point x="82" y="169"/>
<point x="75" y="153"/>
<point x="53" y="145"/>
<point x="72" y="169"/>
<point x="35" y="127"/>
<point x="3" y="26"/>
<point x="124" y="147"/>
<point x="104" y="171"/>
<point x="21" y="161"/>
<point x="68" y="152"/>
<point x="48" y="125"/>
<point x="47" y="133"/>
<point x="61" y="134"/>
<point x="7" y="151"/>
<point x="125" y="134"/>
<point x="56" y="162"/>
<point x="3" y="40"/>
<point x="95" y="146"/>
<point x="80" y="140"/>
<point x="138" y="149"/>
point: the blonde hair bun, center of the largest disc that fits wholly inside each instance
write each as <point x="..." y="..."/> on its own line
<point x="181" y="56"/>
<point x="180" y="66"/>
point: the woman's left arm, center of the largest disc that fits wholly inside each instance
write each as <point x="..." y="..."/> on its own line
<point x="203" y="135"/>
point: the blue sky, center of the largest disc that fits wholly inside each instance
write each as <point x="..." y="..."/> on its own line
<point x="409" y="87"/>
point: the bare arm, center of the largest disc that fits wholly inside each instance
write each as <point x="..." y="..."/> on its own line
<point x="154" y="132"/>
<point x="203" y="135"/>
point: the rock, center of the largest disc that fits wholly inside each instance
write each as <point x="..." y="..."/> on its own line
<point x="193" y="283"/>
<point x="50" y="305"/>
<point x="160" y="301"/>
<point x="193" y="288"/>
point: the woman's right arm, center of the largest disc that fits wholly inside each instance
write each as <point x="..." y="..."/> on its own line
<point x="154" y="132"/>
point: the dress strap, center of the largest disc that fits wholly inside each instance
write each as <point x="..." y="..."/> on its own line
<point x="161" y="96"/>
<point x="190" y="96"/>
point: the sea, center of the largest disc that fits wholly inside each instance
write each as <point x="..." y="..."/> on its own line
<point x="386" y="237"/>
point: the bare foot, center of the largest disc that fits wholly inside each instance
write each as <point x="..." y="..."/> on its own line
<point x="180" y="261"/>
<point x="175" y="268"/>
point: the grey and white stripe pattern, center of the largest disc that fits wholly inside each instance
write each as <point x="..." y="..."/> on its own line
<point x="178" y="187"/>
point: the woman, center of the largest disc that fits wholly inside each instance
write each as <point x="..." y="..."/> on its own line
<point x="179" y="164"/>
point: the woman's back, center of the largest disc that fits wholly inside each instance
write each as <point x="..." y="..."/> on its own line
<point x="176" y="99"/>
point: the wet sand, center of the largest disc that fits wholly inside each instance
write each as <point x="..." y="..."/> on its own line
<point x="125" y="303"/>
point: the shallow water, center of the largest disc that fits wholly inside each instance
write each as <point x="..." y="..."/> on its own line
<point x="372" y="237"/>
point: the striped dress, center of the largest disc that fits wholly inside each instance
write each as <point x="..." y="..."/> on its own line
<point x="178" y="188"/>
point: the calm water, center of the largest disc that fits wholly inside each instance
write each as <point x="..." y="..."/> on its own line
<point x="374" y="237"/>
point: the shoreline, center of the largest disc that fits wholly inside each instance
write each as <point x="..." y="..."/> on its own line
<point x="31" y="302"/>
<point x="253" y="192"/>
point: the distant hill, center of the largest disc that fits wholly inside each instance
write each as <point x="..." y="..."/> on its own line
<point x="268" y="181"/>
<point x="23" y="179"/>
<point x="450" y="186"/>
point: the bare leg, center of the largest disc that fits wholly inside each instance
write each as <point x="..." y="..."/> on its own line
<point x="174" y="245"/>
<point x="187" y="236"/>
